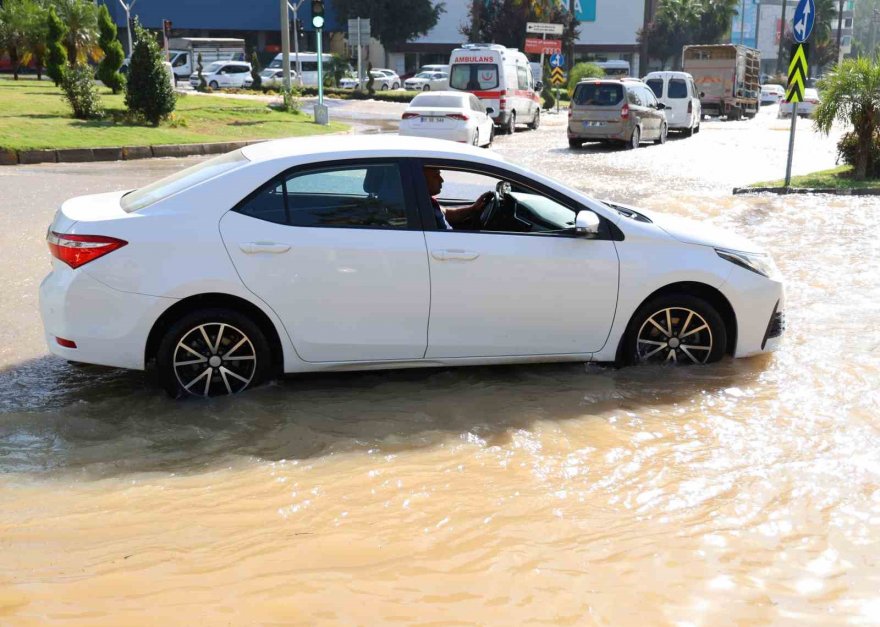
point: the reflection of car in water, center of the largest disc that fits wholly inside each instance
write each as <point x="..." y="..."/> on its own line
<point x="326" y="253"/>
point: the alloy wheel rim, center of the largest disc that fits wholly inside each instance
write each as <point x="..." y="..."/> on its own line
<point x="675" y="335"/>
<point x="214" y="359"/>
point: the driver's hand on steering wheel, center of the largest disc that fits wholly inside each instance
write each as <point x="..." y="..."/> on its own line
<point x="484" y="200"/>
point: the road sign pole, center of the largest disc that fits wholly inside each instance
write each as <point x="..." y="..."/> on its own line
<point x="543" y="38"/>
<point x="794" y="117"/>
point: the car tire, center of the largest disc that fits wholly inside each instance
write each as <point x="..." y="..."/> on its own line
<point x="536" y="122"/>
<point x="426" y="88"/>
<point x="675" y="328"/>
<point x="475" y="142"/>
<point x="664" y="131"/>
<point x="395" y="86"/>
<point x="510" y="129"/>
<point x="689" y="131"/>
<point x="491" y="136"/>
<point x="697" y="128"/>
<point x="575" y="143"/>
<point x="635" y="140"/>
<point x="213" y="85"/>
<point x="245" y="363"/>
<point x="384" y="87"/>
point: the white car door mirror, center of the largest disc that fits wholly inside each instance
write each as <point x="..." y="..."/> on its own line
<point x="586" y="223"/>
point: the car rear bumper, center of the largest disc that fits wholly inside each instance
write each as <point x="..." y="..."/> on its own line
<point x="109" y="327"/>
<point x="459" y="134"/>
<point x="613" y="130"/>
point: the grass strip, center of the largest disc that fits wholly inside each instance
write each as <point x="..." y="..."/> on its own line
<point x="836" y="178"/>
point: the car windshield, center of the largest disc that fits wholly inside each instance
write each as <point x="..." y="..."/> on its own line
<point x="474" y="76"/>
<point x="598" y="94"/>
<point x="437" y="102"/>
<point x="214" y="67"/>
<point x="179" y="181"/>
<point x="268" y="72"/>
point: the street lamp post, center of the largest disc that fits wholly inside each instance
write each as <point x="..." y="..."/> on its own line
<point x="295" y="8"/>
<point x="128" y="7"/>
<point x="781" y="39"/>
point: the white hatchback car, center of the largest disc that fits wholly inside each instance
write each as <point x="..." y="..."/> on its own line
<point x="328" y="253"/>
<point x="225" y="74"/>
<point x="426" y="81"/>
<point x="452" y="115"/>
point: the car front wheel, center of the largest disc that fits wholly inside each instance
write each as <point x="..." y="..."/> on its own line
<point x="664" y="131"/>
<point x="677" y="329"/>
<point x="212" y="352"/>
<point x="636" y="139"/>
<point x="426" y="88"/>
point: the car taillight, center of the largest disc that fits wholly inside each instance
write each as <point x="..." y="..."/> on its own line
<point x="624" y="112"/>
<point x="690" y="106"/>
<point x="784" y="101"/>
<point x="812" y="101"/>
<point x="78" y="250"/>
<point x="457" y="116"/>
<point x="407" y="116"/>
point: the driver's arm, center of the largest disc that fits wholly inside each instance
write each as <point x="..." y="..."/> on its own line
<point x="459" y="216"/>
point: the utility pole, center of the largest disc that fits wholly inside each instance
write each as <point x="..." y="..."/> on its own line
<point x="781" y="39"/>
<point x="742" y="23"/>
<point x="295" y="8"/>
<point x="839" y="27"/>
<point x="128" y="7"/>
<point x="285" y="51"/>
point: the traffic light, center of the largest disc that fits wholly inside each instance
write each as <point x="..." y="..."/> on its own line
<point x="166" y="28"/>
<point x="300" y="28"/>
<point x="318" y="13"/>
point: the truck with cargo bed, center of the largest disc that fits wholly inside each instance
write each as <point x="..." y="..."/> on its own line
<point x="727" y="77"/>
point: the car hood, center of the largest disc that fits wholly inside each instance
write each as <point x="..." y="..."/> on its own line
<point x="694" y="232"/>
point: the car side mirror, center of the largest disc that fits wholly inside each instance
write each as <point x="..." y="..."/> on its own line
<point x="586" y="223"/>
<point x="661" y="106"/>
<point x="489" y="110"/>
<point x="702" y="94"/>
<point x="539" y="86"/>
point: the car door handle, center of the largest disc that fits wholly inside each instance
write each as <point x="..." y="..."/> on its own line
<point x="253" y="248"/>
<point x="454" y="255"/>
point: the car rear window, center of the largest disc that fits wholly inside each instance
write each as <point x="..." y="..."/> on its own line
<point x="656" y="85"/>
<point x="442" y="102"/>
<point x="601" y="95"/>
<point x="677" y="88"/>
<point x="474" y="76"/>
<point x="179" y="181"/>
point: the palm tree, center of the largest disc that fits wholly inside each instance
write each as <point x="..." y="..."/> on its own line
<point x="81" y="19"/>
<point x="17" y="24"/>
<point x="851" y="94"/>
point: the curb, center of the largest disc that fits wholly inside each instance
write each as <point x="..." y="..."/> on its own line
<point x="805" y="190"/>
<point x="121" y="153"/>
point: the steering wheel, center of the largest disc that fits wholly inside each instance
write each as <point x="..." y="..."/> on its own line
<point x="491" y="209"/>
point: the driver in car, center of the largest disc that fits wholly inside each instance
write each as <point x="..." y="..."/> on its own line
<point x="449" y="218"/>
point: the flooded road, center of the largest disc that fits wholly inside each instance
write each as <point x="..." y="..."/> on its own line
<point x="746" y="492"/>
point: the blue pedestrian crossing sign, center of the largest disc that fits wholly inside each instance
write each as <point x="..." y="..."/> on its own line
<point x="557" y="60"/>
<point x="804" y="18"/>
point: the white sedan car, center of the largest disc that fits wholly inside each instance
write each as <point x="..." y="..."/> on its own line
<point x="805" y="108"/>
<point x="426" y="81"/>
<point x="273" y="78"/>
<point x="225" y="74"/>
<point x="333" y="253"/>
<point x="381" y="81"/>
<point x="453" y="115"/>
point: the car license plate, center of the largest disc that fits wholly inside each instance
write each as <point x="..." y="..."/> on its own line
<point x="593" y="123"/>
<point x="433" y="119"/>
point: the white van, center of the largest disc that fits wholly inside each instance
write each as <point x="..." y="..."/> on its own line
<point x="309" y="62"/>
<point x="678" y="92"/>
<point x="502" y="79"/>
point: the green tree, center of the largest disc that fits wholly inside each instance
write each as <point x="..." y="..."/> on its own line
<point x="255" y="71"/>
<point x="393" y="23"/>
<point x="678" y="23"/>
<point x="203" y="85"/>
<point x="81" y="19"/>
<point x="504" y="21"/>
<point x="581" y="71"/>
<point x="16" y="24"/>
<point x="36" y="38"/>
<point x="148" y="92"/>
<point x="56" y="54"/>
<point x="866" y="27"/>
<point x="108" y="70"/>
<point x="851" y="94"/>
<point x="335" y="70"/>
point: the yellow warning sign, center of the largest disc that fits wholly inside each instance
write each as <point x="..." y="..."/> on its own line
<point x="557" y="76"/>
<point x="797" y="73"/>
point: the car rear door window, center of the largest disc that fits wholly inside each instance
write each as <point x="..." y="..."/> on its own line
<point x="656" y="85"/>
<point x="678" y="88"/>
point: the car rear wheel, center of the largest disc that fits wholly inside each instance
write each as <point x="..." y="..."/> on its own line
<point x="575" y="143"/>
<point x="212" y="352"/>
<point x="510" y="129"/>
<point x="213" y="85"/>
<point x="677" y="329"/>
<point x="426" y="88"/>
<point x="635" y="140"/>
<point x="395" y="86"/>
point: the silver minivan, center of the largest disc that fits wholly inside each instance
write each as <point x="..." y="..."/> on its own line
<point x="678" y="92"/>
<point x="624" y="110"/>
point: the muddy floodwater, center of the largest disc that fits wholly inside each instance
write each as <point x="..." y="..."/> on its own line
<point x="746" y="492"/>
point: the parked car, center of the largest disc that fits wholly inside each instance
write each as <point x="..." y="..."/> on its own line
<point x="624" y="111"/>
<point x="678" y="92"/>
<point x="326" y="253"/>
<point x="222" y="74"/>
<point x="805" y="108"/>
<point x="772" y="94"/>
<point x="381" y="81"/>
<point x="426" y="81"/>
<point x="451" y="115"/>
<point x="308" y="64"/>
<point x="390" y="78"/>
<point x="273" y="78"/>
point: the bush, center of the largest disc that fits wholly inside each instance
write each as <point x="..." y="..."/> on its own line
<point x="108" y="70"/>
<point x="353" y="94"/>
<point x="56" y="64"/>
<point x="149" y="92"/>
<point x="81" y="93"/>
<point x="370" y="88"/>
<point x="847" y="152"/>
<point x="581" y="71"/>
<point x="203" y="84"/>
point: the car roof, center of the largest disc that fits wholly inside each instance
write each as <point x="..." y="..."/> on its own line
<point x="668" y="74"/>
<point x="364" y="146"/>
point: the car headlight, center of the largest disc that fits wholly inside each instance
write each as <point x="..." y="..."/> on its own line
<point x="759" y="263"/>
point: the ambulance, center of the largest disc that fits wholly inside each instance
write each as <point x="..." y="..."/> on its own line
<point x="502" y="79"/>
